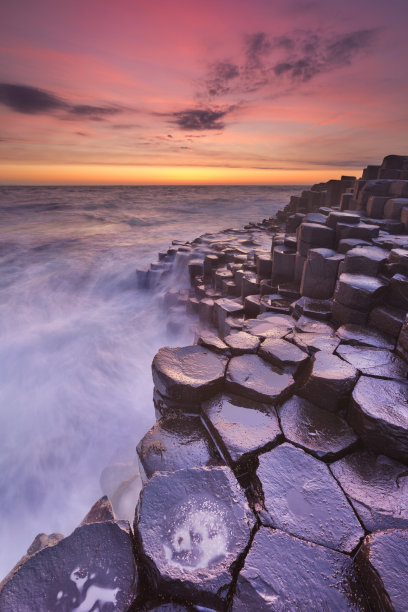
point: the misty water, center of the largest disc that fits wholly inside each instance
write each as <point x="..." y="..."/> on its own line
<point x="77" y="337"/>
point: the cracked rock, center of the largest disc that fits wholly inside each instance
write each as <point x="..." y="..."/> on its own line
<point x="251" y="376"/>
<point x="374" y="362"/>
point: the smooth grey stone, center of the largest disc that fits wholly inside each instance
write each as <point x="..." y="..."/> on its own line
<point x="270" y="325"/>
<point x="314" y="342"/>
<point x="283" y="354"/>
<point x="377" y="488"/>
<point x="380" y="363"/>
<point x="302" y="497"/>
<point x="358" y="335"/>
<point x="325" y="435"/>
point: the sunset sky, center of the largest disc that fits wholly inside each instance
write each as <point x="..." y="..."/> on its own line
<point x="192" y="91"/>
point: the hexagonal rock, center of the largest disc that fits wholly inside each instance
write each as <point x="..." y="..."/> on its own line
<point x="312" y="326"/>
<point x="94" y="566"/>
<point x="192" y="526"/>
<point x="314" y="342"/>
<point x="282" y="354"/>
<point x="251" y="376"/>
<point x="358" y="335"/>
<point x="379" y="414"/>
<point x="377" y="488"/>
<point x="382" y="565"/>
<point x="364" y="260"/>
<point x="373" y="361"/>
<point x="214" y="343"/>
<point x="189" y="373"/>
<point x="302" y="497"/>
<point x="330" y="381"/>
<point x="359" y="291"/>
<point x="241" y="427"/>
<point x="284" y="573"/>
<point x="174" y="443"/>
<point x="241" y="343"/>
<point x="326" y="436"/>
<point x="270" y="325"/>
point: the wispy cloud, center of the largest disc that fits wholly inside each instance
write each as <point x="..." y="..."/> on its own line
<point x="33" y="100"/>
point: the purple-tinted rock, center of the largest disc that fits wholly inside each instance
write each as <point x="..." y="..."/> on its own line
<point x="350" y="243"/>
<point x="358" y="335"/>
<point x="251" y="376"/>
<point x="359" y="291"/>
<point x="192" y="526"/>
<point x="364" y="260"/>
<point x="313" y="326"/>
<point x="213" y="342"/>
<point x="241" y="427"/>
<point x="252" y="306"/>
<point x="274" y="303"/>
<point x="379" y="414"/>
<point x="377" y="488"/>
<point x="374" y="362"/>
<point x="382" y="566"/>
<point x="314" y="342"/>
<point x="329" y="382"/>
<point x="189" y="373"/>
<point x="387" y="319"/>
<point x="343" y="314"/>
<point x="302" y="497"/>
<point x="336" y="217"/>
<point x="283" y="354"/>
<point x="225" y="307"/>
<point x="326" y="436"/>
<point x="91" y="569"/>
<point x="270" y="325"/>
<point x="100" y="512"/>
<point x="362" y="231"/>
<point x="174" y="443"/>
<point x="314" y="235"/>
<point x="314" y="308"/>
<point x="241" y="343"/>
<point x="285" y="573"/>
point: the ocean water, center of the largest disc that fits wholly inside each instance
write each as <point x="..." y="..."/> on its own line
<point x="77" y="337"/>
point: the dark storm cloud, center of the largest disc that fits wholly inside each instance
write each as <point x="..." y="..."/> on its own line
<point x="200" y="119"/>
<point x="32" y="100"/>
<point x="295" y="57"/>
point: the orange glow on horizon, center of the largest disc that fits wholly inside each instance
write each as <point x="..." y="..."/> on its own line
<point x="76" y="174"/>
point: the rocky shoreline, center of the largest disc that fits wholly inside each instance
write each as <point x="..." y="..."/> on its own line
<point x="276" y="475"/>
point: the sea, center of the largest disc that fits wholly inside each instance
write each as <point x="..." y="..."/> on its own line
<point x="77" y="336"/>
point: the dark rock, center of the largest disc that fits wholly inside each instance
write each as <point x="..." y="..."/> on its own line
<point x="225" y="307"/>
<point x="242" y="342"/>
<point x="241" y="427"/>
<point x="165" y="406"/>
<point x="283" y="264"/>
<point x="192" y="526"/>
<point x="169" y="607"/>
<point x="233" y="325"/>
<point x="314" y="342"/>
<point x="251" y="376"/>
<point x="313" y="326"/>
<point x="100" y="512"/>
<point x="382" y="565"/>
<point x="206" y="310"/>
<point x="336" y="217"/>
<point x="374" y="362"/>
<point x="326" y="436"/>
<point x="387" y="319"/>
<point x="398" y="291"/>
<point x="377" y="488"/>
<point x="379" y="414"/>
<point x="174" y="443"/>
<point x="320" y="273"/>
<point x="252" y="305"/>
<point x="285" y="573"/>
<point x="358" y="291"/>
<point x="363" y="231"/>
<point x="364" y="260"/>
<point x="282" y="354"/>
<point x="358" y="335"/>
<point x="275" y="303"/>
<point x="313" y="217"/>
<point x="344" y="314"/>
<point x="214" y="343"/>
<point x="269" y="325"/>
<point x="220" y="275"/>
<point x="314" y="308"/>
<point x="313" y="235"/>
<point x="402" y="345"/>
<point x="350" y="243"/>
<point x="302" y="497"/>
<point x="93" y="568"/>
<point x="375" y="206"/>
<point x="249" y="285"/>
<point x="210" y="262"/>
<point x="189" y="373"/>
<point x="393" y="208"/>
<point x="330" y="381"/>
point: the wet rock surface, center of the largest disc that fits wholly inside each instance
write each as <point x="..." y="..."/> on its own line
<point x="192" y="525"/>
<point x="283" y="354"/>
<point x="241" y="427"/>
<point x="379" y="414"/>
<point x="330" y="381"/>
<point x="302" y="497"/>
<point x="282" y="572"/>
<point x="374" y="362"/>
<point x="190" y="373"/>
<point x="326" y="436"/>
<point x="174" y="443"/>
<point x="382" y="566"/>
<point x="92" y="568"/>
<point x="270" y="326"/>
<point x="251" y="376"/>
<point x="377" y="488"/>
<point x="364" y="336"/>
<point x="242" y="342"/>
